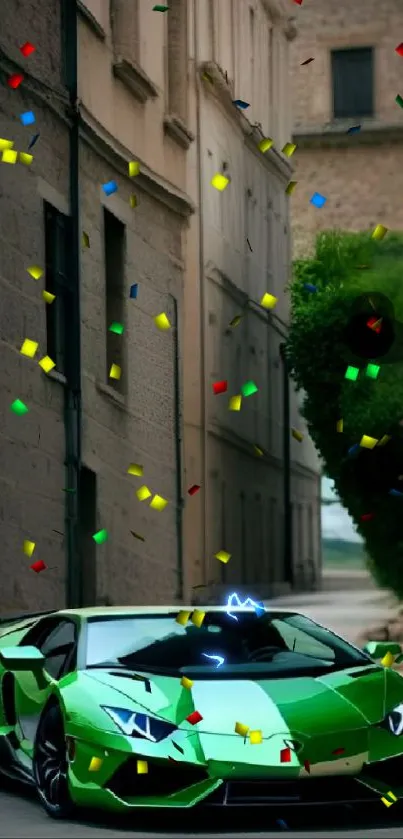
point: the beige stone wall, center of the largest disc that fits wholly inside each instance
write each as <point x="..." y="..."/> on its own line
<point x="356" y="173"/>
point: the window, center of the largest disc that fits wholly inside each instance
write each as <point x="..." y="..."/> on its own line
<point x="352" y="72"/>
<point x="125" y="29"/>
<point x="177" y="58"/>
<point x="57" y="248"/>
<point x="87" y="526"/>
<point x="115" y="246"/>
<point x="56" y="639"/>
<point x="275" y="644"/>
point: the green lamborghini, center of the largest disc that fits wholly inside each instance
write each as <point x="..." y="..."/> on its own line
<point x="120" y="708"/>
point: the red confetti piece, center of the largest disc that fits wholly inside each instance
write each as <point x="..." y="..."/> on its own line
<point x="399" y="50"/>
<point x="285" y="756"/>
<point x="308" y="61"/>
<point x="307" y="766"/>
<point x="27" y="49"/>
<point x="15" y="80"/>
<point x="193" y="489"/>
<point x="194" y="717"/>
<point x="338" y="751"/>
<point x="367" y="516"/>
<point x="298" y="2"/>
<point x="38" y="566"/>
<point x="220" y="387"/>
<point x="375" y="324"/>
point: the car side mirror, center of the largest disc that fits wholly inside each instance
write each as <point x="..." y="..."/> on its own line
<point x="378" y="649"/>
<point x="22" y="659"/>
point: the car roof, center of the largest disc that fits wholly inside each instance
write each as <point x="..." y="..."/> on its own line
<point x="128" y="611"/>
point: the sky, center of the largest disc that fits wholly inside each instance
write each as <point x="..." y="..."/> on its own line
<point x="336" y="523"/>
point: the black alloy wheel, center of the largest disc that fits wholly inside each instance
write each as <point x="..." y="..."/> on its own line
<point x="51" y="764"/>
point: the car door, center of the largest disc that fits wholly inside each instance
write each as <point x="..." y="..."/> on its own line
<point x="57" y="640"/>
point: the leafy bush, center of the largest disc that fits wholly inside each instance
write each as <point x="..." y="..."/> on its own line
<point x="318" y="358"/>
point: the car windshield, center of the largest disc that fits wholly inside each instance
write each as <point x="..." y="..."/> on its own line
<point x="272" y="643"/>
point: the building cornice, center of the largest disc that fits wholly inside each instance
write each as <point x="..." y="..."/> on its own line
<point x="279" y="12"/>
<point x="335" y="135"/>
<point x="96" y="136"/>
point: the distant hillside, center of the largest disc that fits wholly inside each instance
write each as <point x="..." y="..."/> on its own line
<point x="339" y="552"/>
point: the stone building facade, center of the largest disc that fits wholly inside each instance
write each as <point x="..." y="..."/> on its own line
<point x="141" y="98"/>
<point x="353" y="80"/>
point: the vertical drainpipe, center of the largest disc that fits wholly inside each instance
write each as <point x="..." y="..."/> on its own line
<point x="178" y="454"/>
<point x="72" y="405"/>
<point x="288" y="523"/>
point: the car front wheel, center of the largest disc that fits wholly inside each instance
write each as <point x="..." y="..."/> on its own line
<point x="51" y="763"/>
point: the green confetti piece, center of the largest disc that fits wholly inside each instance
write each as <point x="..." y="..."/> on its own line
<point x="399" y="100"/>
<point x="101" y="536"/>
<point x="159" y="8"/>
<point x="117" y="328"/>
<point x="18" y="407"/>
<point x="372" y="370"/>
<point x="249" y="388"/>
<point x="352" y="373"/>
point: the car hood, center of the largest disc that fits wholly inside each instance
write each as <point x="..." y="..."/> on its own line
<point x="340" y="701"/>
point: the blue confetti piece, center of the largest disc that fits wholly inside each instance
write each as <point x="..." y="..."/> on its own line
<point x="33" y="140"/>
<point x="110" y="187"/>
<point x="134" y="290"/>
<point x="354" y="449"/>
<point x="318" y="200"/>
<point x="27" y="118"/>
<point x="281" y="823"/>
<point x="395" y="493"/>
<point x="310" y="287"/>
<point x="259" y="609"/>
<point x="354" y="129"/>
<point x="239" y="103"/>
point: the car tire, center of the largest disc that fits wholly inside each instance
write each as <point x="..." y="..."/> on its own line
<point x="50" y="764"/>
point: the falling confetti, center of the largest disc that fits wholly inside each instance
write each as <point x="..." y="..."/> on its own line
<point x="142" y="767"/>
<point x="135" y="469"/>
<point x="390" y="794"/>
<point x="160" y="8"/>
<point x="318" y="200"/>
<point x="194" y="718"/>
<point x="29" y="348"/>
<point x="339" y="426"/>
<point x="27" y="118"/>
<point x="399" y="100"/>
<point x="288" y="149"/>
<point x="197" y="617"/>
<point x="307" y="61"/>
<point x="48" y="297"/>
<point x="85" y="240"/>
<point x="297" y="435"/>
<point x="35" y="271"/>
<point x="133" y="201"/>
<point x="115" y="372"/>
<point x="249" y="245"/>
<point x="239" y="103"/>
<point x="399" y="49"/>
<point x="28" y="547"/>
<point x="18" y="407"/>
<point x="235" y="403"/>
<point x="220" y="387"/>
<point x="9" y="156"/>
<point x="38" y="566"/>
<point x="265" y="144"/>
<point x="387" y="660"/>
<point x="137" y="536"/>
<point x="354" y="129"/>
<point x="183" y="617"/>
<point x="5" y="144"/>
<point x="186" y="683"/>
<point x="15" y="80"/>
<point x="235" y="321"/>
<point x="101" y="537"/>
<point x="158" y="503"/>
<point x="241" y="729"/>
<point x="352" y="373"/>
<point x="372" y="371"/>
<point x="338" y="751"/>
<point x="95" y="764"/>
<point x="268" y="301"/>
<point x="143" y="493"/>
<point x="117" y="328"/>
<point x="24" y="158"/>
<point x="367" y="517"/>
<point x="290" y="187"/>
<point x="193" y="489"/>
<point x="249" y="388"/>
<point x="219" y="181"/>
<point x="33" y="140"/>
<point x="285" y="756"/>
<point x="110" y="187"/>
<point x="134" y="168"/>
<point x="223" y="556"/>
<point x="255" y="737"/>
<point x="368" y="442"/>
<point x="46" y="364"/>
<point x="162" y="321"/>
<point x="27" y="49"/>
<point x="133" y="291"/>
<point x="307" y="766"/>
<point x="310" y="287"/>
<point x="380" y="232"/>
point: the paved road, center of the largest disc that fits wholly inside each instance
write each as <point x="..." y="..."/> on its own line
<point x="347" y="612"/>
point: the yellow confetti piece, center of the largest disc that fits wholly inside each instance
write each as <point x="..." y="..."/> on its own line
<point x="186" y="683"/>
<point x="9" y="156"/>
<point x="142" y="767"/>
<point x="241" y="729"/>
<point x="236" y="321"/>
<point x="389" y="803"/>
<point x="198" y="617"/>
<point x="268" y="301"/>
<point x="47" y="364"/>
<point x="135" y="469"/>
<point x="134" y="168"/>
<point x="235" y="403"/>
<point x="265" y="144"/>
<point x="95" y="764"/>
<point x="258" y="451"/>
<point x="158" y="503"/>
<point x="385" y="439"/>
<point x="29" y="348"/>
<point x="25" y="158"/>
<point x="289" y="149"/>
<point x="183" y="617"/>
<point x="115" y="372"/>
<point x="48" y="297"/>
<point x="85" y="239"/>
<point x="368" y="442"/>
<point x="35" y="271"/>
<point x="143" y="493"/>
<point x="256" y="737"/>
<point x="297" y="435"/>
<point x="28" y="547"/>
<point x="162" y="321"/>
<point x="339" y="426"/>
<point x="387" y="660"/>
<point x="219" y="182"/>
<point x="379" y="232"/>
<point x="6" y="144"/>
<point x="223" y="556"/>
<point x="133" y="201"/>
<point x="290" y="187"/>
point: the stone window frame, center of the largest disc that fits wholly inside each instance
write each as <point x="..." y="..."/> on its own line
<point x="177" y="57"/>
<point x="126" y="56"/>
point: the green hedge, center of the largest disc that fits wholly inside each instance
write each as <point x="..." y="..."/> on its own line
<point x="317" y="356"/>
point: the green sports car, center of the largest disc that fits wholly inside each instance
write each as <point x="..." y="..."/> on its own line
<point x="120" y="708"/>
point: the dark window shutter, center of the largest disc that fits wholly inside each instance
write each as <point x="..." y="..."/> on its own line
<point x="353" y="88"/>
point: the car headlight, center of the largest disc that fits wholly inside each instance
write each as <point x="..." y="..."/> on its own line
<point x="394" y="720"/>
<point x="140" y="725"/>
